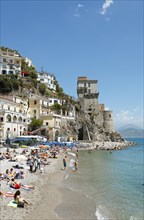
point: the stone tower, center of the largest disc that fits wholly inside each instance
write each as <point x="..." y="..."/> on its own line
<point x="88" y="95"/>
<point x="87" y="91"/>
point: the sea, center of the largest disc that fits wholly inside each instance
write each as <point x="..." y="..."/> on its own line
<point x="113" y="181"/>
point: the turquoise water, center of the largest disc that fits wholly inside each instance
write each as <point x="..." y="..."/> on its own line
<point x="115" y="182"/>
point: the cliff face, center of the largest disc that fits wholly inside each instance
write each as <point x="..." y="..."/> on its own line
<point x="87" y="129"/>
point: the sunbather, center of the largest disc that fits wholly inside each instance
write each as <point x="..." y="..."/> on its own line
<point x="19" y="185"/>
<point x="8" y="194"/>
<point x="19" y="200"/>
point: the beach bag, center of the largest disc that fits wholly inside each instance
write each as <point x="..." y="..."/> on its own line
<point x="20" y="205"/>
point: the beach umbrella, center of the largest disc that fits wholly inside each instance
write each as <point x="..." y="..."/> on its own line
<point x="43" y="147"/>
<point x="21" y="158"/>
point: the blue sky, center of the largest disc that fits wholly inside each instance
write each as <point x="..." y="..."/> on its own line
<point x="102" y="40"/>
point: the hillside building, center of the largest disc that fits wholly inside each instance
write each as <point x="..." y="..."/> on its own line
<point x="48" y="79"/>
<point x="14" y="118"/>
<point x="10" y="62"/>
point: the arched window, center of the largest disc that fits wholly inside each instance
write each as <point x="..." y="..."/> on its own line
<point x="20" y="119"/>
<point x="8" y="118"/>
<point x="14" y="119"/>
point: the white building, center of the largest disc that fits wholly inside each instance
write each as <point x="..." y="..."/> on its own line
<point x="48" y="79"/>
<point x="10" y="62"/>
<point x="14" y="119"/>
<point x="52" y="101"/>
<point x="28" y="62"/>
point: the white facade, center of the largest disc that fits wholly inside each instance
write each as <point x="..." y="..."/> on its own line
<point x="13" y="117"/>
<point x="28" y="62"/>
<point x="52" y="101"/>
<point x="47" y="79"/>
<point x="10" y="63"/>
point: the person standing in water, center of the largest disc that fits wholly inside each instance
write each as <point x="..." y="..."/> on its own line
<point x="64" y="162"/>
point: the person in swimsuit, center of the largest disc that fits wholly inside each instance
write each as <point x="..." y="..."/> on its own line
<point x="19" y="200"/>
<point x="64" y="162"/>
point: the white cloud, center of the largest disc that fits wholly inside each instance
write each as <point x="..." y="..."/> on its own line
<point x="136" y="109"/>
<point x="77" y="9"/>
<point x="105" y="6"/>
<point x="129" y="117"/>
<point x="80" y="6"/>
<point x="76" y="15"/>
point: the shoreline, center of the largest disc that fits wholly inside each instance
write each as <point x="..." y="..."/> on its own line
<point x="51" y="199"/>
<point x="104" y="145"/>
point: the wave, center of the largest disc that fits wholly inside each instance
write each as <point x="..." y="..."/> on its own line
<point x="100" y="214"/>
<point x="132" y="218"/>
<point x="72" y="154"/>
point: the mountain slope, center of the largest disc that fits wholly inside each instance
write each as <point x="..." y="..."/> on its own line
<point x="131" y="133"/>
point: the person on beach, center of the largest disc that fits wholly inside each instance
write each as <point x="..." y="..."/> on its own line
<point x="8" y="194"/>
<point x="64" y="162"/>
<point x="35" y="164"/>
<point x="39" y="163"/>
<point x="75" y="166"/>
<point x="77" y="155"/>
<point x="19" y="200"/>
<point x="19" y="185"/>
<point x="31" y="165"/>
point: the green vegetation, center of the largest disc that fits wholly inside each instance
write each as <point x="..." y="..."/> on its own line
<point x="35" y="124"/>
<point x="21" y="85"/>
<point x="42" y="88"/>
<point x="8" y="49"/>
<point x="9" y="84"/>
<point x="56" y="108"/>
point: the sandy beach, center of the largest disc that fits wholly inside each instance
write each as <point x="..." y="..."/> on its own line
<point x="50" y="199"/>
<point x="44" y="197"/>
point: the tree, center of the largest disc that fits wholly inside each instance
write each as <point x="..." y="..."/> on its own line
<point x="56" y="108"/>
<point x="42" y="88"/>
<point x="5" y="85"/>
<point x="35" y="124"/>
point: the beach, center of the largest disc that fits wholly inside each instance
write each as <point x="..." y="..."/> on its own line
<point x="50" y="199"/>
<point x="86" y="194"/>
<point x="45" y="183"/>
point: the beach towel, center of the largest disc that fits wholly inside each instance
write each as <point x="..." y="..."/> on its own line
<point x="12" y="204"/>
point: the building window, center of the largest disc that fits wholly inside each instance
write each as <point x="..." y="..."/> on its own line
<point x="46" y="123"/>
<point x="89" y="91"/>
<point x="1" y="119"/>
<point x="109" y="115"/>
<point x="14" y="129"/>
<point x="88" y="84"/>
<point x="35" y="102"/>
<point x="24" y="120"/>
<point x="20" y="119"/>
<point x="8" y="118"/>
<point x="8" y="129"/>
<point x="34" y="111"/>
<point x="4" y="72"/>
<point x="84" y="84"/>
<point x="11" y="61"/>
<point x="10" y="72"/>
<point x="4" y="60"/>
